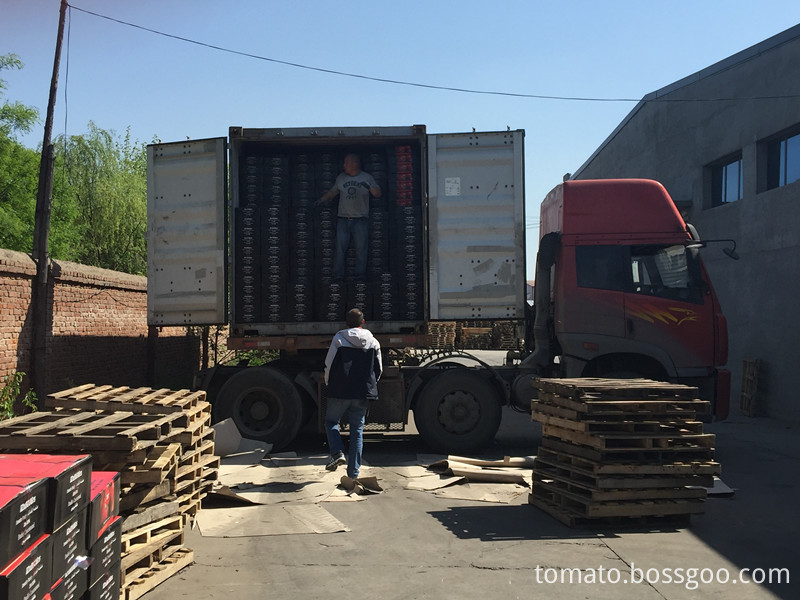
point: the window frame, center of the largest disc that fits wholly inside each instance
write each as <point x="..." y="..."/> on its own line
<point x="719" y="180"/>
<point x="778" y="156"/>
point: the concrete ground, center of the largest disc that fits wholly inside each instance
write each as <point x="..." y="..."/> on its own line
<point x="413" y="544"/>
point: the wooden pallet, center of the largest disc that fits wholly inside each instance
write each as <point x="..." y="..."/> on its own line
<point x="589" y="389"/>
<point x="601" y="412"/>
<point x="146" y="545"/>
<point x="586" y="479"/>
<point x="636" y="441"/>
<point x="620" y="424"/>
<point x="748" y="400"/>
<point x="162" y="462"/>
<point x="206" y="469"/>
<point x="604" y="408"/>
<point x="590" y="496"/>
<point x="193" y="433"/>
<point x="144" y="579"/>
<point x="654" y="455"/>
<point x="145" y="515"/>
<point x="84" y="431"/>
<point x="678" y="467"/>
<point x="573" y="519"/>
<point x="138" y="495"/>
<point x="587" y="508"/>
<point x="136" y="400"/>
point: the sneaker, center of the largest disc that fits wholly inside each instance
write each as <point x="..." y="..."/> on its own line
<point x="335" y="461"/>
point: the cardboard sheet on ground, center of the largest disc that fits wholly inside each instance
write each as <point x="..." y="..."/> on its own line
<point x="267" y="520"/>
<point x="719" y="490"/>
<point x="519" y="462"/>
<point x="482" y="492"/>
<point x="280" y="491"/>
<point x="432" y="482"/>
<point x="475" y="473"/>
<point x="409" y="470"/>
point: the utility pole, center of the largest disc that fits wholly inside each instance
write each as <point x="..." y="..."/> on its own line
<point x="41" y="232"/>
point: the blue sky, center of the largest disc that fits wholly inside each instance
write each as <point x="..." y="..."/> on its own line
<point x="120" y="76"/>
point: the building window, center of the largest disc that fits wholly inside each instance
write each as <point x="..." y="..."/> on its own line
<point x="726" y="182"/>
<point x="783" y="161"/>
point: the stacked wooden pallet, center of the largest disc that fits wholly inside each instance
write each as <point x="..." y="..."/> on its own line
<point x="162" y="444"/>
<point x="441" y="334"/>
<point x="505" y="336"/>
<point x="620" y="450"/>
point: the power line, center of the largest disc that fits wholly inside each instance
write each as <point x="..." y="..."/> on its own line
<point x="354" y="75"/>
<point x="422" y="85"/>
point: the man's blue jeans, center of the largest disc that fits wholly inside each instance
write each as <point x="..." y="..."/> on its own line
<point x="356" y="411"/>
<point x="358" y="229"/>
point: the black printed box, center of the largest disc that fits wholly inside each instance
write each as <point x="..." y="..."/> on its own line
<point x="69" y="480"/>
<point x="23" y="515"/>
<point x="29" y="575"/>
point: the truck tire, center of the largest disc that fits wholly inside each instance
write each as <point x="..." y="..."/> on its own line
<point x="263" y="403"/>
<point x="458" y="411"/>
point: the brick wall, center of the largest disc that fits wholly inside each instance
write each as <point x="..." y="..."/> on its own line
<point x="97" y="332"/>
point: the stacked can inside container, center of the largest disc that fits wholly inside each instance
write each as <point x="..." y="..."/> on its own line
<point x="286" y="242"/>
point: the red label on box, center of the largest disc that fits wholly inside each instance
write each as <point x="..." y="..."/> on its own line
<point x="103" y="502"/>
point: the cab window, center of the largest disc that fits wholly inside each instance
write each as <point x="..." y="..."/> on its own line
<point x="602" y="267"/>
<point x="669" y="272"/>
<point x="666" y="272"/>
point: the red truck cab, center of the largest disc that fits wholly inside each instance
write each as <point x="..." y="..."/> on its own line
<point x="630" y="296"/>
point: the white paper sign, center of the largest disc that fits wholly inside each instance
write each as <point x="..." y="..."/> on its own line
<point x="452" y="186"/>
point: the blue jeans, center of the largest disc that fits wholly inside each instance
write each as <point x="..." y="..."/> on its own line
<point x="358" y="229"/>
<point x="356" y="411"/>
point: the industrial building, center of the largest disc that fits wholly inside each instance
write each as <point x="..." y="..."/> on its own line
<point x="725" y="142"/>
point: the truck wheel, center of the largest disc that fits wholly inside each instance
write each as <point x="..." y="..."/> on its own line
<point x="263" y="403"/>
<point x="457" y="412"/>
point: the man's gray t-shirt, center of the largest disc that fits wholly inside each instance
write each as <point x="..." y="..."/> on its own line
<point x="354" y="194"/>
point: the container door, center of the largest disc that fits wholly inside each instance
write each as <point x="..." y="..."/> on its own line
<point x="186" y="233"/>
<point x="476" y="225"/>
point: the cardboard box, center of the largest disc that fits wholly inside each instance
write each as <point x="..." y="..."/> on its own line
<point x="69" y="543"/>
<point x="103" y="503"/>
<point x="23" y="515"/>
<point x="69" y="480"/>
<point x="29" y="575"/>
<point x="71" y="586"/>
<point x="106" y="551"/>
<point x="107" y="586"/>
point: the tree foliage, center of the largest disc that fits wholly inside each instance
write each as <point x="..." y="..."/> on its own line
<point x="106" y="181"/>
<point x="14" y="116"/>
<point x="99" y="205"/>
<point x="19" y="168"/>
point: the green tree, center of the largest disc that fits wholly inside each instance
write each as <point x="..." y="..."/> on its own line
<point x="14" y="117"/>
<point x="99" y="207"/>
<point x="106" y="177"/>
<point x="19" y="168"/>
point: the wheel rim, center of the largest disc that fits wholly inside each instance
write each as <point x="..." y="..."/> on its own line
<point x="459" y="412"/>
<point x="257" y="412"/>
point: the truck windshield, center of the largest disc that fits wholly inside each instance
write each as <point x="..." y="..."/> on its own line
<point x="662" y="271"/>
<point x="667" y="272"/>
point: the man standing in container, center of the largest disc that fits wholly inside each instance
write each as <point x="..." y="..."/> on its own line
<point x="353" y="367"/>
<point x="353" y="187"/>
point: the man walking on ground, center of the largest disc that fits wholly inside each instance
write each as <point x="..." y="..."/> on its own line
<point x="352" y="369"/>
<point x="353" y="187"/>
